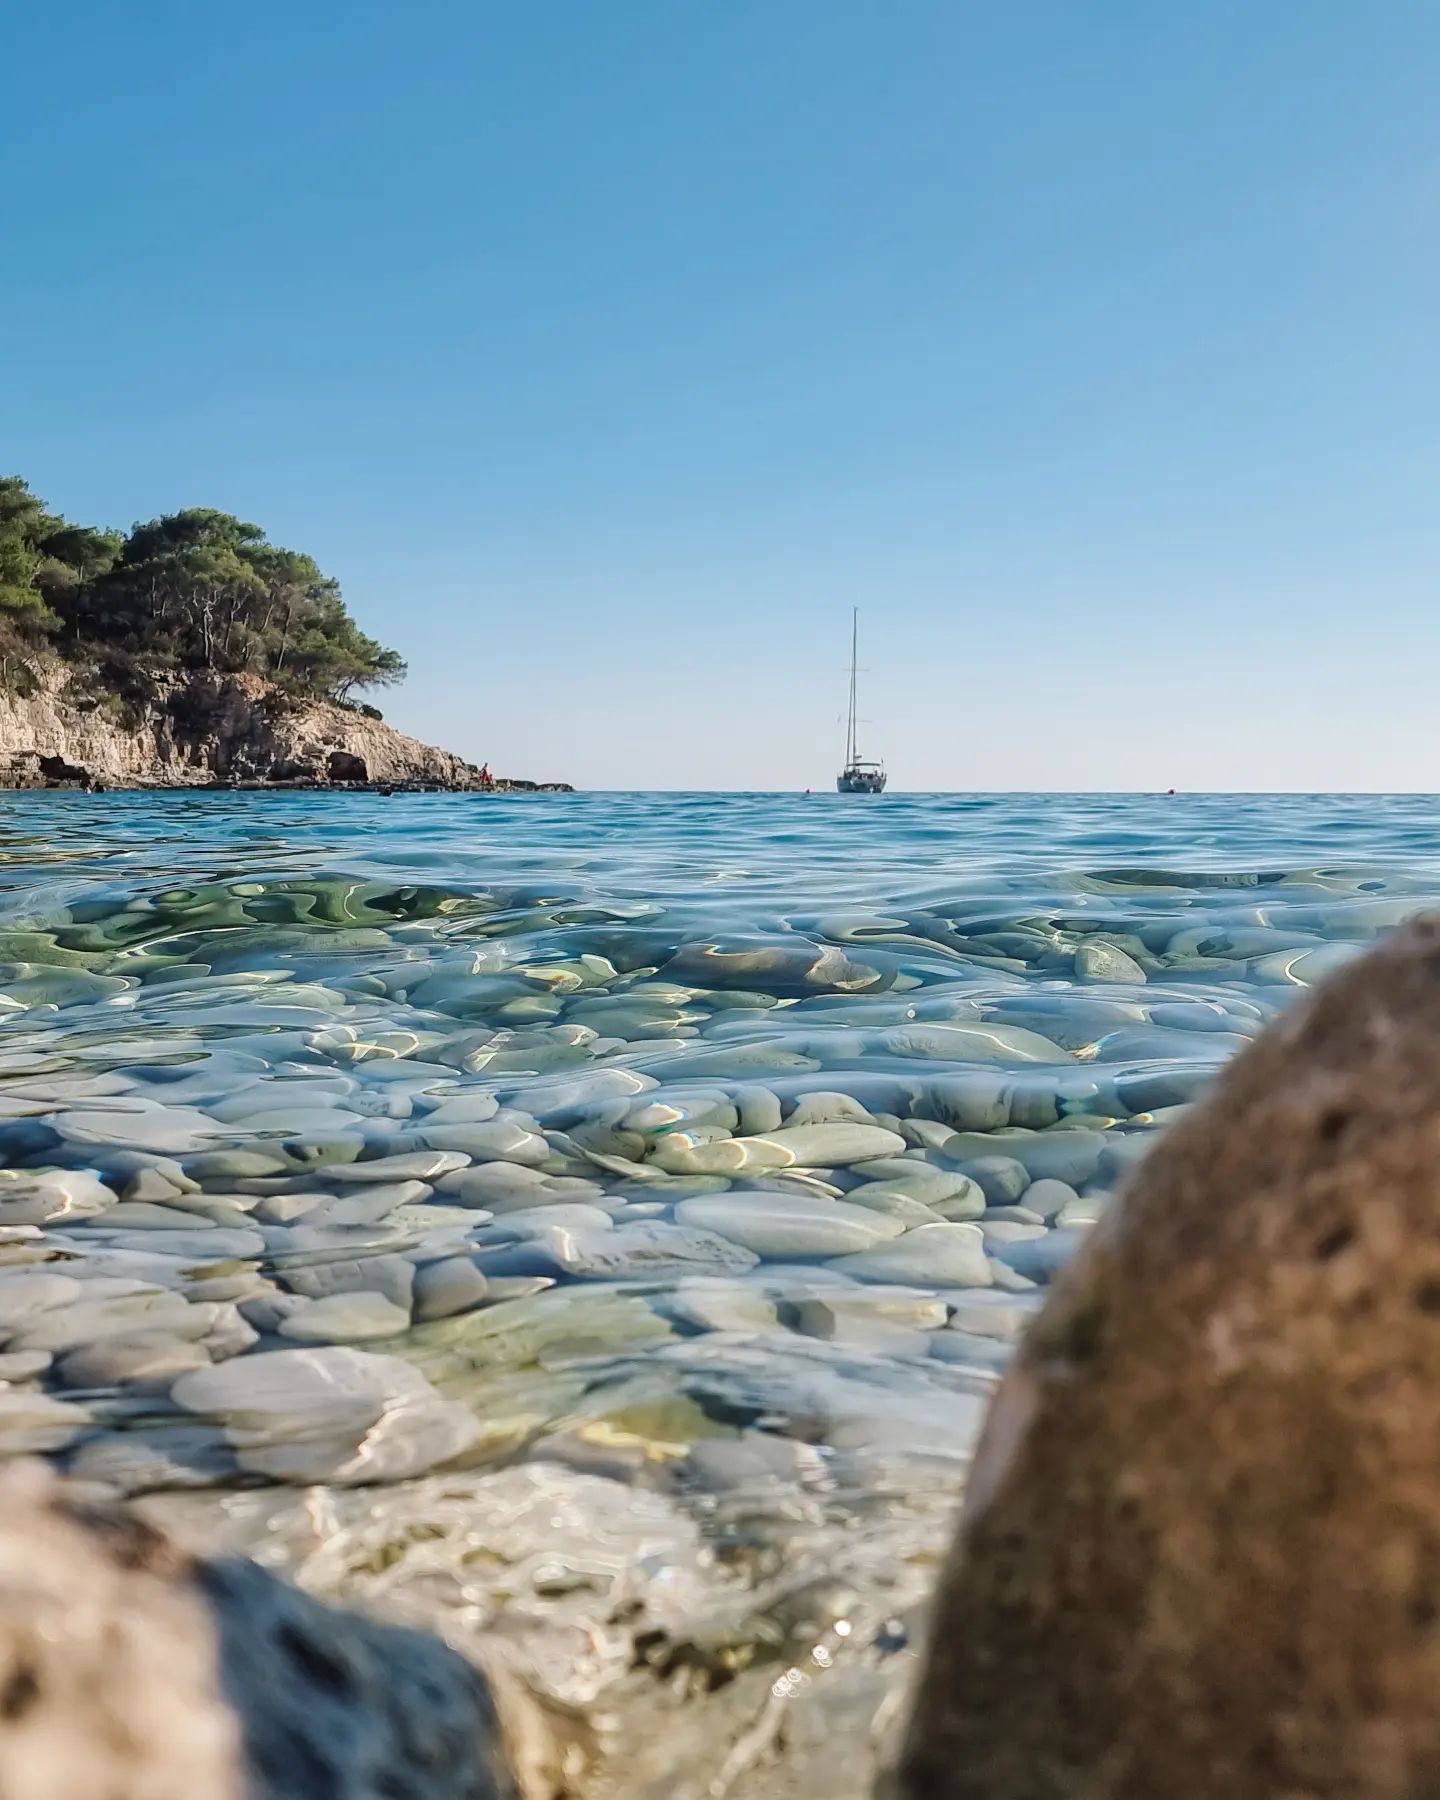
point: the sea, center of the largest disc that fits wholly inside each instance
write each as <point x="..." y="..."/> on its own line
<point x="605" y="1217"/>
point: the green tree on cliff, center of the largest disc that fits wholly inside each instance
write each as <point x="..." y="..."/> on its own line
<point x="192" y="590"/>
<point x="44" y="562"/>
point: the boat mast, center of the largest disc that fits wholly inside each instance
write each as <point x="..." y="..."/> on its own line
<point x="850" y="750"/>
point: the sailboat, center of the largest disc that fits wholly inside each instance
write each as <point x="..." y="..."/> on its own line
<point x="860" y="775"/>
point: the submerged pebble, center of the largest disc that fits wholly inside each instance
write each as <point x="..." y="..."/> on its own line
<point x="929" y="1256"/>
<point x="328" y="1414"/>
<point x="781" y="1227"/>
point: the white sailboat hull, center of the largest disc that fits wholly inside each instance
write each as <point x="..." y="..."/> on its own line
<point x="861" y="781"/>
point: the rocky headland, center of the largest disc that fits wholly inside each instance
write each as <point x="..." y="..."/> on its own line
<point x="209" y="730"/>
<point x="190" y="651"/>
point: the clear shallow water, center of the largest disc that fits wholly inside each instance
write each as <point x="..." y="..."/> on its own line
<point x="721" y="1144"/>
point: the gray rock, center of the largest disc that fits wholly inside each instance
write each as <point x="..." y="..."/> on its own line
<point x="754" y="1461"/>
<point x="1061" y="1155"/>
<point x="983" y="1041"/>
<point x="923" y="1181"/>
<point x="149" y="1215"/>
<point x="1097" y="960"/>
<point x="88" y="1320"/>
<point x="284" y="1209"/>
<point x="25" y="1294"/>
<point x="988" y="1313"/>
<point x="1009" y="1231"/>
<point x="146" y="1365"/>
<point x="54" y="1196"/>
<point x="931" y="1256"/>
<point x="413" y="1166"/>
<point x="150" y="1184"/>
<point x="221" y="1167"/>
<point x="1008" y="1280"/>
<point x="881" y="1197"/>
<point x="557" y="1102"/>
<point x="646" y="1251"/>
<point x="329" y="1414"/>
<point x="1041" y="1258"/>
<point x="714" y="1304"/>
<point x="172" y="1130"/>
<point x="172" y="1454"/>
<point x="372" y="1205"/>
<point x="788" y="1227"/>
<point x="504" y="1138"/>
<point x="138" y="1671"/>
<point x="239" y="1285"/>
<point x="501" y="1187"/>
<point x="807" y="1146"/>
<point x="865" y="1314"/>
<point x="1048" y="1197"/>
<point x="464" y="1109"/>
<point x="1148" y="1043"/>
<point x="1014" y="1215"/>
<point x="821" y="1108"/>
<point x="231" y="1334"/>
<point x="759" y="1110"/>
<point x="265" y="1312"/>
<point x="391" y="1276"/>
<point x="970" y="1203"/>
<point x="196" y="1245"/>
<point x="315" y="1150"/>
<point x="535" y="1221"/>
<point x="969" y="1350"/>
<point x="349" y="1318"/>
<point x="926" y="1134"/>
<point x="32" y="1423"/>
<point x="452" y="1285"/>
<point x="1001" y="1179"/>
<point x="1088" y="1209"/>
<point x="260" y="1099"/>
<point x="967" y="1102"/>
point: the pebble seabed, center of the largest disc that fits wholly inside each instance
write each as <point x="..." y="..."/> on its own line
<point x="613" y="1250"/>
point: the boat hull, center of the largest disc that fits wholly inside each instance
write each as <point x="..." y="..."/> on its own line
<point x="861" y="781"/>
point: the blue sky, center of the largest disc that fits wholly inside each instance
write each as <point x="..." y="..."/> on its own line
<point x="609" y="353"/>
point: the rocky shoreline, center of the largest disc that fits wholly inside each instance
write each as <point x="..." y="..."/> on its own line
<point x="227" y="731"/>
<point x="1196" y="1558"/>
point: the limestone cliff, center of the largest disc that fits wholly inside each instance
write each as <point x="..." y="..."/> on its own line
<point x="210" y="730"/>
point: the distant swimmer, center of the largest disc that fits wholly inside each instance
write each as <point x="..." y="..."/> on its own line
<point x="1172" y="793"/>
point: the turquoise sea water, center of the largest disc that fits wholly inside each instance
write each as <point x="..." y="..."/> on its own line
<point x="690" y="1138"/>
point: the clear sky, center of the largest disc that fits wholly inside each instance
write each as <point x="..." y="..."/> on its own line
<point x="609" y="350"/>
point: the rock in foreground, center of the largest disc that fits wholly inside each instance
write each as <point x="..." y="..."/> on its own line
<point x="1201" y="1548"/>
<point x="131" y="1669"/>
